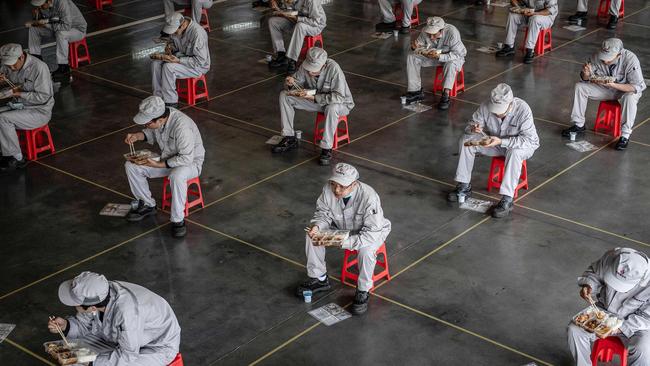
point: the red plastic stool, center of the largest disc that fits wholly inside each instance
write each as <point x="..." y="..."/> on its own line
<point x="415" y="15"/>
<point x="543" y="43"/>
<point x="99" y="4"/>
<point x="348" y="263"/>
<point x="459" y="84"/>
<point x="205" y="20"/>
<point x="191" y="92"/>
<point x="608" y="118"/>
<point x="605" y="349"/>
<point x="310" y="41"/>
<point x="495" y="176"/>
<point x="341" y="133"/>
<point x="198" y="196"/>
<point x="73" y="53"/>
<point x="36" y="141"/>
<point x="603" y="9"/>
<point x="178" y="361"/>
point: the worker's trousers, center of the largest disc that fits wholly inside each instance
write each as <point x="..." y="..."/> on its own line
<point x="415" y="62"/>
<point x="178" y="177"/>
<point x="586" y="90"/>
<point x="163" y="78"/>
<point x="580" y="343"/>
<point x="367" y="256"/>
<point x="288" y="105"/>
<point x="148" y="356"/>
<point x="513" y="157"/>
<point x="278" y="26"/>
<point x="25" y="119"/>
<point x="614" y="6"/>
<point x="63" y="39"/>
<point x="387" y="15"/>
<point x="535" y="24"/>
<point x="197" y="7"/>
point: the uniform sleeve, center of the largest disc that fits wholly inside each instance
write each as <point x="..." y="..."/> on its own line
<point x="478" y="117"/>
<point x="300" y="76"/>
<point x="200" y="54"/>
<point x="593" y="276"/>
<point x="338" y="86"/>
<point x="371" y="231"/>
<point x="527" y="137"/>
<point x="423" y="40"/>
<point x="79" y="325"/>
<point x="634" y="76"/>
<point x="323" y="216"/>
<point x="128" y="344"/>
<point x="65" y="15"/>
<point x="42" y="88"/>
<point x="638" y="320"/>
<point x="457" y="49"/>
<point x="185" y="144"/>
<point x="315" y="16"/>
<point x="149" y="136"/>
<point x="168" y="5"/>
<point x="551" y="6"/>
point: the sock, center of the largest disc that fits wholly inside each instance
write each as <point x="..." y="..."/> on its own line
<point x="322" y="278"/>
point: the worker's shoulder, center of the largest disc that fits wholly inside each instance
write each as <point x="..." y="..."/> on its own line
<point x="630" y="56"/>
<point x="38" y="65"/>
<point x="367" y="191"/>
<point x="180" y="120"/>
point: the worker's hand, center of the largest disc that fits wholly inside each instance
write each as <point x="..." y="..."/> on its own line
<point x="313" y="231"/>
<point x="529" y="12"/>
<point x="292" y="18"/>
<point x="608" y="334"/>
<point x="311" y="98"/>
<point x="171" y="59"/>
<point x="289" y="81"/>
<point x="609" y="85"/>
<point x="586" y="71"/>
<point x="415" y="44"/>
<point x="153" y="163"/>
<point x="433" y="54"/>
<point x="169" y="49"/>
<point x="16" y="91"/>
<point x="476" y="128"/>
<point x="133" y="137"/>
<point x="62" y="323"/>
<point x="585" y="293"/>
<point x="274" y="5"/>
<point x="494" y="141"/>
<point x="36" y="13"/>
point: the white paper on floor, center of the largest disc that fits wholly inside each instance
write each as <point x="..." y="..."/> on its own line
<point x="477" y="205"/>
<point x="501" y="4"/>
<point x="574" y="28"/>
<point x="381" y="35"/>
<point x="115" y="209"/>
<point x="274" y="140"/>
<point x="582" y="146"/>
<point x="263" y="61"/>
<point x="5" y="329"/>
<point x="487" y="49"/>
<point x="330" y="314"/>
<point x="417" y="107"/>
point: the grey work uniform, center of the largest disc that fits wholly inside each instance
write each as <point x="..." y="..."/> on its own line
<point x="36" y="95"/>
<point x="626" y="70"/>
<point x="518" y="142"/>
<point x="191" y="48"/>
<point x="452" y="58"/>
<point x="71" y="27"/>
<point x="139" y="325"/>
<point x="311" y="22"/>
<point x="196" y="6"/>
<point x="614" y="6"/>
<point x="535" y="23"/>
<point x="363" y="216"/>
<point x="387" y="15"/>
<point x="333" y="98"/>
<point x="632" y="306"/>
<point x="182" y="148"/>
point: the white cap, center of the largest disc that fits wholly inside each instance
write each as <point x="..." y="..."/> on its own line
<point x="10" y="53"/>
<point x="627" y="270"/>
<point x="434" y="25"/>
<point x="610" y="48"/>
<point x="38" y="2"/>
<point x="344" y="174"/>
<point x="88" y="288"/>
<point x="172" y="23"/>
<point x="500" y="99"/>
<point x="315" y="59"/>
<point x="149" y="109"/>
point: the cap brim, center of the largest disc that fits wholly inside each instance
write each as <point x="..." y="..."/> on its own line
<point x="311" y="66"/>
<point x="37" y="2"/>
<point x="432" y="30"/>
<point x="341" y="180"/>
<point x="498" y="108"/>
<point x="170" y="29"/>
<point x="607" y="56"/>
<point x="65" y="294"/>
<point x="142" y="118"/>
<point x="614" y="282"/>
<point x="10" y="61"/>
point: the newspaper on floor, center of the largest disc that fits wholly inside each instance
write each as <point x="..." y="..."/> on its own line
<point x="5" y="329"/>
<point x="501" y="4"/>
<point x="263" y="61"/>
<point x="330" y="314"/>
<point x="582" y="146"/>
<point x="274" y="140"/>
<point x="417" y="107"/>
<point x="474" y="204"/>
<point x="381" y="35"/>
<point x="487" y="49"/>
<point x="574" y="28"/>
<point x="115" y="209"/>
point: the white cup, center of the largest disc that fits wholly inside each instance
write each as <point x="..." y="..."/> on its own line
<point x="268" y="58"/>
<point x="395" y="33"/>
<point x="572" y="136"/>
<point x="403" y="100"/>
<point x="499" y="45"/>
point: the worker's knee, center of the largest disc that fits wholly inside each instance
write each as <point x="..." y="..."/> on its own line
<point x="333" y="109"/>
<point x="60" y="36"/>
<point x="628" y="97"/>
<point x="582" y="88"/>
<point x="367" y="253"/>
<point x="130" y="168"/>
<point x="640" y="345"/>
<point x="574" y="332"/>
<point x="536" y="20"/>
<point x="301" y="27"/>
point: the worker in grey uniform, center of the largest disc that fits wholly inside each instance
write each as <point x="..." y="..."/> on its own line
<point x="619" y="280"/>
<point x="332" y="97"/>
<point x="388" y="21"/>
<point x="181" y="159"/>
<point x="62" y="20"/>
<point x="538" y="15"/>
<point x="614" y="9"/>
<point x="189" y="58"/>
<point x="506" y="125"/>
<point x="310" y="21"/>
<point x="615" y="61"/>
<point x="438" y="44"/>
<point x="138" y="325"/>
<point x="346" y="204"/>
<point x="32" y="103"/>
<point x="196" y="6"/>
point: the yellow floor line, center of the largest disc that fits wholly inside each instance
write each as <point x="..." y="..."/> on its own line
<point x="286" y="343"/>
<point x="355" y="47"/>
<point x="111" y="81"/>
<point x="562" y="59"/>
<point x="91" y="140"/>
<point x="239" y="45"/>
<point x="574" y="40"/>
<point x="238" y="120"/>
<point x="24" y="349"/>
<point x="242" y="88"/>
<point x="493" y="77"/>
<point x="82" y="179"/>
<point x="384" y="127"/>
<point x="635" y="24"/>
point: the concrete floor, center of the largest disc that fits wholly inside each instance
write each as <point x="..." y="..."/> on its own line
<point x="466" y="289"/>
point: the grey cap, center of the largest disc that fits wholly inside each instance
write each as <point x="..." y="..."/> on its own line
<point x="149" y="109"/>
<point x="38" y="2"/>
<point x="344" y="174"/>
<point x="316" y="58"/>
<point x="629" y="268"/>
<point x="610" y="48"/>
<point x="88" y="288"/>
<point x="10" y="53"/>
<point x="172" y="23"/>
<point x="434" y="25"/>
<point x="500" y="99"/>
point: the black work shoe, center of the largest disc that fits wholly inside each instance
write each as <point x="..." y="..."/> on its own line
<point x="405" y="30"/>
<point x="613" y="21"/>
<point x="9" y="164"/>
<point x="171" y="105"/>
<point x="503" y="208"/>
<point x="622" y="143"/>
<point x="567" y="131"/>
<point x="178" y="229"/>
<point x="530" y="55"/>
<point x="464" y="188"/>
<point x="141" y="212"/>
<point x="325" y="157"/>
<point x="385" y="27"/>
<point x="287" y="143"/>
<point x="444" y="102"/>
<point x="505" y="51"/>
<point x="62" y="74"/>
<point x="360" y="304"/>
<point x="578" y="15"/>
<point x="313" y="285"/>
<point x="279" y="61"/>
<point x="291" y="66"/>
<point x="260" y="3"/>
<point x="478" y="2"/>
<point x="412" y="97"/>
